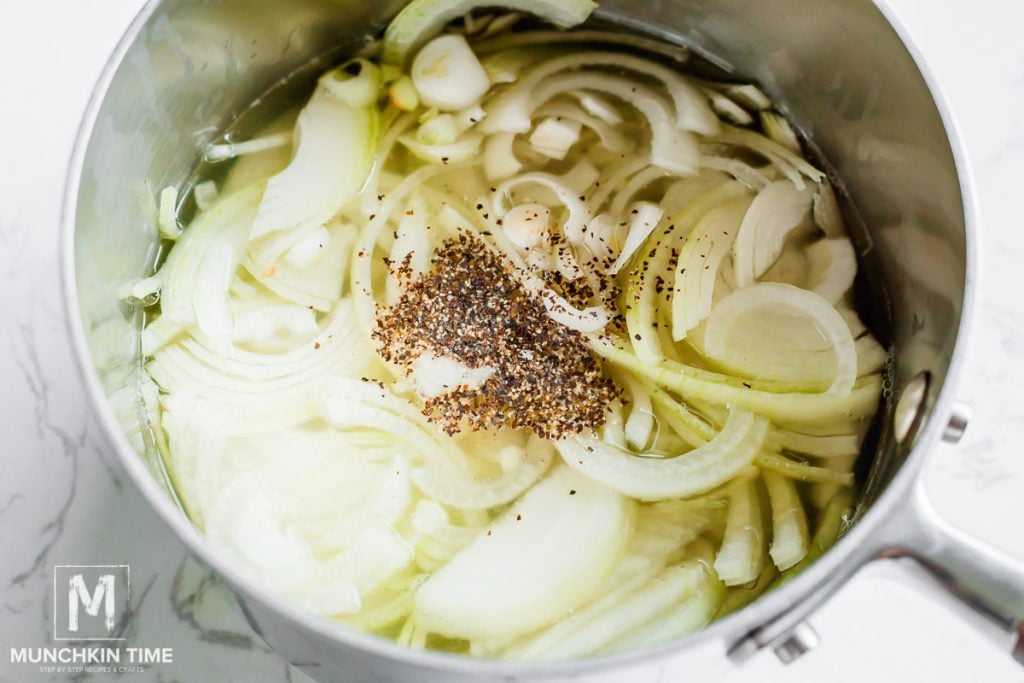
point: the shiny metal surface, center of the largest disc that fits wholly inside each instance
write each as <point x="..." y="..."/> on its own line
<point x="911" y="409"/>
<point x="186" y="68"/>
<point x="988" y="586"/>
<point x="956" y="427"/>
<point x="802" y="640"/>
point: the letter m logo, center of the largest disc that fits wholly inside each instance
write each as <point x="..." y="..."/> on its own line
<point x="79" y="594"/>
<point x="89" y="601"/>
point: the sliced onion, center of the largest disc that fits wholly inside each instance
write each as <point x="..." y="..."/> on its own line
<point x="505" y="67"/>
<point x="727" y="108"/>
<point x="440" y="130"/>
<point x="811" y="413"/>
<point x="654" y="538"/>
<point x="833" y="268"/>
<point x="500" y="161"/>
<point x="513" y="109"/>
<point x="632" y="572"/>
<point x="244" y="524"/>
<point x="466" y="147"/>
<point x="334" y="149"/>
<point x="871" y="357"/>
<point x="587" y="320"/>
<point x="197" y="432"/>
<point x="424" y="442"/>
<point x="501" y="23"/>
<point x="403" y="94"/>
<point x="158" y="334"/>
<point x="696" y="471"/>
<point x="168" y="213"/>
<point x="522" y="466"/>
<point x="147" y="288"/>
<point x="833" y="519"/>
<point x="614" y="177"/>
<point x="599" y="107"/>
<point x="683" y="191"/>
<point x="633" y="186"/>
<point x="247" y="523"/>
<point x="699" y="260"/>
<point x="370" y="202"/>
<point x="777" y="128"/>
<point x="671" y="148"/>
<point x="264" y="397"/>
<point x="554" y="136"/>
<point x="581" y="177"/>
<point x="750" y="96"/>
<point x="794" y="166"/>
<point x="731" y="310"/>
<point x="776" y="211"/>
<point x="540" y="559"/>
<point x="362" y="285"/>
<point x="642" y="316"/>
<point x="350" y="403"/>
<point x="579" y="216"/>
<point x="328" y="499"/>
<point x="246" y="364"/>
<point x="230" y="150"/>
<point x="663" y="593"/>
<point x="827" y="215"/>
<point x="469" y="117"/>
<point x="789" y="523"/>
<point x="639" y="428"/>
<point x="432" y="523"/>
<point x="527" y="224"/>
<point x="269" y="326"/>
<point x="200" y="268"/>
<point x="205" y="194"/>
<point x="436" y="375"/>
<point x="447" y="74"/>
<point x="411" y="247"/>
<point x="740" y="558"/>
<point x="773" y="345"/>
<point x="824" y="491"/>
<point x="857" y="327"/>
<point x="374" y="555"/>
<point x="696" y="611"/>
<point x="752" y="177"/>
<point x="801" y="471"/>
<point x="421" y="19"/>
<point x="250" y="168"/>
<point x="837" y="445"/>
<point x="317" y="279"/>
<point x="356" y="82"/>
<point x="306" y="251"/>
<point x="644" y="217"/>
<point x="600" y="237"/>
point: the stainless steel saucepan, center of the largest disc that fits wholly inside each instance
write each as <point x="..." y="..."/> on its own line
<point x="184" y="70"/>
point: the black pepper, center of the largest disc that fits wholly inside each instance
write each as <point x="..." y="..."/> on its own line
<point x="471" y="307"/>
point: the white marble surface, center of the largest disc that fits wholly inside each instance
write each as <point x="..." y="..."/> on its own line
<point x="61" y="500"/>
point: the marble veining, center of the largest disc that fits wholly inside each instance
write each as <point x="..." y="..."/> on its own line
<point x="63" y="499"/>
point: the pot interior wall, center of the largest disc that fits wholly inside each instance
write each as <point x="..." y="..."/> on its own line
<point x="841" y="71"/>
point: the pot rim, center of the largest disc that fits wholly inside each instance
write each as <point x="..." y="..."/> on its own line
<point x="764" y="609"/>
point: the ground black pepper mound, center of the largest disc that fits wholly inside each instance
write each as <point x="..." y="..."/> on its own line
<point x="470" y="307"/>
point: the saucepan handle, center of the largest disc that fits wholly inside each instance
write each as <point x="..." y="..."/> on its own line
<point x="987" y="584"/>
